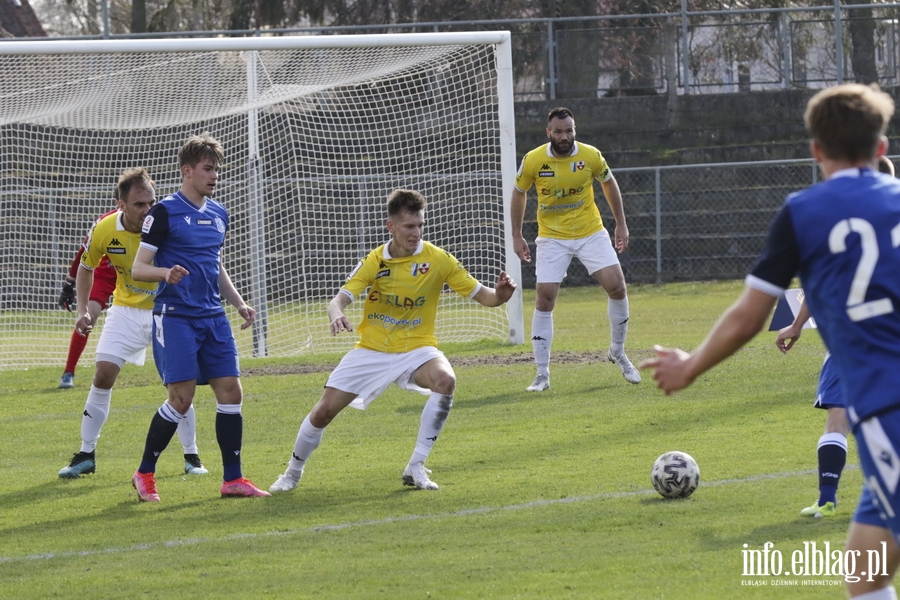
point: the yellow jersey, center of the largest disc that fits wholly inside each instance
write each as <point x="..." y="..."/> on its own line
<point x="565" y="190"/>
<point x="403" y="293"/>
<point x="109" y="238"/>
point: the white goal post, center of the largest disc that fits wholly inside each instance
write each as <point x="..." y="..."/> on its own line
<point x="317" y="131"/>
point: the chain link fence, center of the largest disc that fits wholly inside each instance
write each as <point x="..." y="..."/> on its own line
<point x="691" y="222"/>
<point x="680" y="52"/>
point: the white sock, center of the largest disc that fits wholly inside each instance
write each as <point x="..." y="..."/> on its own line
<point x="168" y="412"/>
<point x="96" y="410"/>
<point x="541" y="338"/>
<point x="434" y="415"/>
<point x="308" y="439"/>
<point x="885" y="593"/>
<point x="187" y="431"/>
<point x="617" y="310"/>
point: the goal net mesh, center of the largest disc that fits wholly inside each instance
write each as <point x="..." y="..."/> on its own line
<point x="315" y="140"/>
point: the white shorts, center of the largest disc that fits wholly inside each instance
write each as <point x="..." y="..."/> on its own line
<point x="126" y="334"/>
<point x="553" y="256"/>
<point x="368" y="373"/>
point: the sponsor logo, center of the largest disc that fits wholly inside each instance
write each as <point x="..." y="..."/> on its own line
<point x="187" y="219"/>
<point x="388" y="320"/>
<point x="115" y="250"/>
<point x="383" y="273"/>
<point x="395" y="300"/>
<point x="546" y="174"/>
<point x="204" y="221"/>
<point x="545" y="167"/>
<point x="558" y="207"/>
<point x="605" y="174"/>
<point x="148" y="223"/>
<point x="577" y="166"/>
<point x="115" y="242"/>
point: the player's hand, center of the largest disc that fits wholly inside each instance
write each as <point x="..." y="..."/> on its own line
<point x="505" y="287"/>
<point x="520" y="247"/>
<point x="248" y="314"/>
<point x="787" y="337"/>
<point x="176" y="274"/>
<point x="339" y="324"/>
<point x="622" y="237"/>
<point x="84" y="325"/>
<point x="67" y="296"/>
<point x="671" y="369"/>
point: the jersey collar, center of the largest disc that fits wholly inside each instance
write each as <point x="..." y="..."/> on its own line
<point x="851" y="172"/>
<point x="387" y="252"/>
<point x="572" y="153"/>
<point x="120" y="226"/>
<point x="181" y="197"/>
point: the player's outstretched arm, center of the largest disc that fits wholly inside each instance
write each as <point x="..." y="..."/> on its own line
<point x="788" y="336"/>
<point x="517" y="216"/>
<point x="234" y="298"/>
<point x="614" y="198"/>
<point x="676" y="369"/>
<point x="84" y="280"/>
<point x="336" y="317"/>
<point x="143" y="268"/>
<point x="498" y="295"/>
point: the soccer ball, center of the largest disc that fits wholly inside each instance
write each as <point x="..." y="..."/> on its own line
<point x="675" y="475"/>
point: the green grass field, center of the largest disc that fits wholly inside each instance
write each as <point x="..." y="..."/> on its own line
<point x="542" y="495"/>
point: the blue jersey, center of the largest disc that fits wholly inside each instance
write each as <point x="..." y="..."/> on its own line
<point x="842" y="237"/>
<point x="182" y="234"/>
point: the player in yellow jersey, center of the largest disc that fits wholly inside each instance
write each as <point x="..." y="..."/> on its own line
<point x="569" y="226"/>
<point x="396" y="343"/>
<point x="128" y="327"/>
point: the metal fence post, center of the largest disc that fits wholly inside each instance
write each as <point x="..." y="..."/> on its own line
<point x="658" y="228"/>
<point x="686" y="49"/>
<point x="551" y="59"/>
<point x="785" y="43"/>
<point x="838" y="42"/>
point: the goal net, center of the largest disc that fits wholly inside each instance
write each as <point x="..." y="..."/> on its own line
<point x="317" y="132"/>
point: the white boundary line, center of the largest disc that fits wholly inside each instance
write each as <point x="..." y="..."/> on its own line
<point x="386" y="520"/>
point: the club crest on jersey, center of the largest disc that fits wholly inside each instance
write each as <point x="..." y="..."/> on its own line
<point x="420" y="268"/>
<point x="220" y="225"/>
<point x="148" y="223"/>
<point x="577" y="166"/>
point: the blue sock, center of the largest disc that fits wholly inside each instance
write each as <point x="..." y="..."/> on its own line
<point x="832" y="458"/>
<point x="229" y="434"/>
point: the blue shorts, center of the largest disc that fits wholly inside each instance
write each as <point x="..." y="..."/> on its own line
<point x="878" y="441"/>
<point x="829" y="393"/>
<point x="199" y="349"/>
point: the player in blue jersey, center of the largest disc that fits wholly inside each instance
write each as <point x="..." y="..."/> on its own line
<point x="181" y="244"/>
<point x="831" y="449"/>
<point x="841" y="237"/>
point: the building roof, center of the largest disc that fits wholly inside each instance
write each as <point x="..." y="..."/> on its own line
<point x="17" y="19"/>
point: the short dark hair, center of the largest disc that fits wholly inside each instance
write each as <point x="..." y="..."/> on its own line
<point x="198" y="147"/>
<point x="131" y="178"/>
<point x="408" y="200"/>
<point x="560" y="112"/>
<point x="847" y="121"/>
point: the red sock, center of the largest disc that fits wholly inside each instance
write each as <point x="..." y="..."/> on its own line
<point x="76" y="347"/>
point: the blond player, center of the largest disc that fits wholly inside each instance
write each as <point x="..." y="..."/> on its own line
<point x="569" y="226"/>
<point x="396" y="343"/>
<point x="127" y="331"/>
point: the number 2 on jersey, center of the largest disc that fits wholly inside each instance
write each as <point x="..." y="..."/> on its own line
<point x="857" y="308"/>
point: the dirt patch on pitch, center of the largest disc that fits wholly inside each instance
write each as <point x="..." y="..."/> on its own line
<point x="523" y="358"/>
